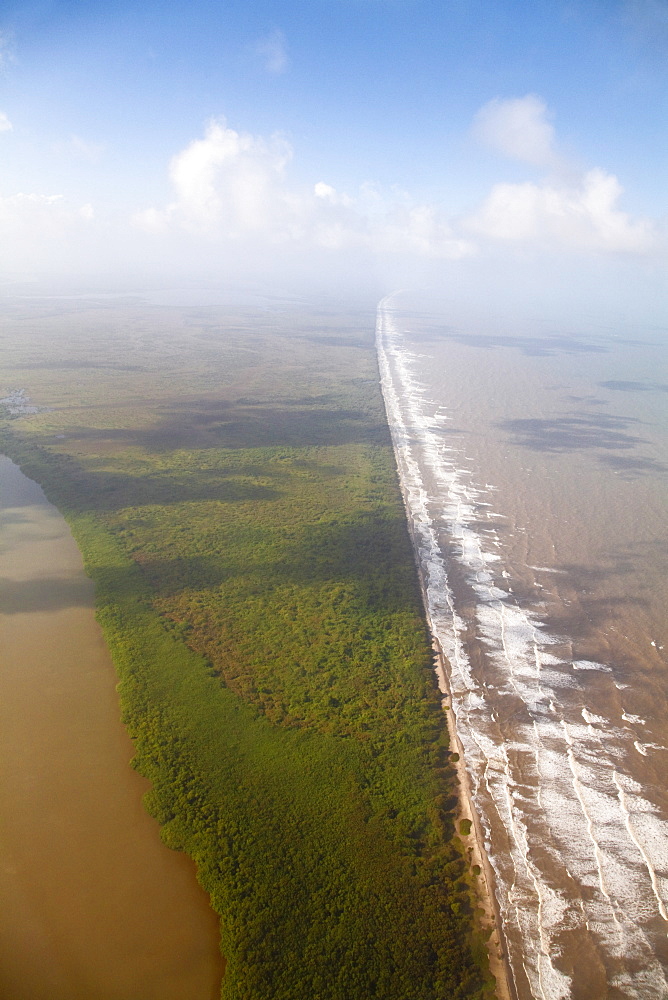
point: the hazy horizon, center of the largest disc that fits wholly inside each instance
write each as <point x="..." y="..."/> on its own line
<point x="353" y="146"/>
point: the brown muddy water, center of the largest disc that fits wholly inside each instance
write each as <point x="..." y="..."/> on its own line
<point x="93" y="904"/>
<point x="535" y="470"/>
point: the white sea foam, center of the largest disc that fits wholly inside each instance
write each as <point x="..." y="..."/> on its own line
<point x="633" y="719"/>
<point x="570" y="815"/>
<point x="593" y="720"/>
<point x="591" y="665"/>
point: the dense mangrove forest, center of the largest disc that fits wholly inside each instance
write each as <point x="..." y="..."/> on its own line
<point x="229" y="478"/>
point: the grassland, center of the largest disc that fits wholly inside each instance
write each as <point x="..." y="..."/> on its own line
<point x="230" y="481"/>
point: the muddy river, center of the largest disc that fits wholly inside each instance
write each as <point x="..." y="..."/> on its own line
<point x="93" y="904"/>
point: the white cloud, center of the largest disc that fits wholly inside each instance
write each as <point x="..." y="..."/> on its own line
<point x="82" y="149"/>
<point x="233" y="186"/>
<point x="235" y="204"/>
<point x="518" y="128"/>
<point x="226" y="184"/>
<point x="26" y="216"/>
<point x="45" y="232"/>
<point x="5" y="124"/>
<point x="580" y="216"/>
<point x="16" y="205"/>
<point x="418" y="230"/>
<point x="274" y="52"/>
<point x="233" y="192"/>
<point x="325" y="191"/>
<point x="329" y="194"/>
<point x="569" y="209"/>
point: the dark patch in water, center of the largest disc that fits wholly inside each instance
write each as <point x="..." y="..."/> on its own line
<point x="544" y="347"/>
<point x="619" y="385"/>
<point x="587" y="400"/>
<point x="583" y="575"/>
<point x="47" y="594"/>
<point x="634" y="466"/>
<point x="576" y="433"/>
<point x="74" y="365"/>
<point x="591" y="614"/>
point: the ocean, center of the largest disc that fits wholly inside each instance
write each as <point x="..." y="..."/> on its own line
<point x="534" y="465"/>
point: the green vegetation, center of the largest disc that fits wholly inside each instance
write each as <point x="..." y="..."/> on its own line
<point x="465" y="827"/>
<point x="231" y="484"/>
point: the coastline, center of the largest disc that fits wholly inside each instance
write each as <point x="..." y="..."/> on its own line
<point x="497" y="951"/>
<point x="499" y="963"/>
<point x="572" y="819"/>
<point x="198" y="743"/>
<point x="496" y="944"/>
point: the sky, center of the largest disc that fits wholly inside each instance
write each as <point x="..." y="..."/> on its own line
<point x="340" y="141"/>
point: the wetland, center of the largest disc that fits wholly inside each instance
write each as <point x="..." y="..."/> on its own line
<point x="229" y="478"/>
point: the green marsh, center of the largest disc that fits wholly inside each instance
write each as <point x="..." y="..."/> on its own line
<point x="230" y="481"/>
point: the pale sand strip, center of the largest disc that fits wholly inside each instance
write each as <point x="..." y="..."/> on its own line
<point x="496" y="944"/>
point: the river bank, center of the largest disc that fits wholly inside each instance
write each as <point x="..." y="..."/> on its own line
<point x="234" y="496"/>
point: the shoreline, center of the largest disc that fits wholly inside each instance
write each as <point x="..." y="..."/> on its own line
<point x="497" y="951"/>
<point x="562" y="786"/>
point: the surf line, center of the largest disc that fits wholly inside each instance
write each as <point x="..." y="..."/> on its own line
<point x="497" y="949"/>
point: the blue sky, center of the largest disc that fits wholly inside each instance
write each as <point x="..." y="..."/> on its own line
<point x="392" y="133"/>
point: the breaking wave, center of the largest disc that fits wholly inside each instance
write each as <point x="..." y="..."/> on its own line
<point x="580" y="857"/>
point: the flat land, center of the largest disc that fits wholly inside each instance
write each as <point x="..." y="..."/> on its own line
<point x="229" y="478"/>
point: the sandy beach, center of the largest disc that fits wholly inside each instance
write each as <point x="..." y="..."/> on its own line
<point x="496" y="945"/>
<point x="475" y="841"/>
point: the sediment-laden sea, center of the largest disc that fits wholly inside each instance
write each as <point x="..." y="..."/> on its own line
<point x="534" y="466"/>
